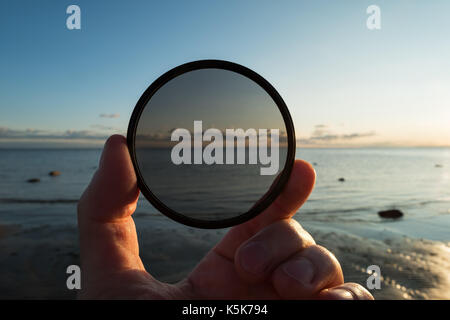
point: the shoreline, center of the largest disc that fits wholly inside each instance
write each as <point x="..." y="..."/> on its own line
<point x="33" y="260"/>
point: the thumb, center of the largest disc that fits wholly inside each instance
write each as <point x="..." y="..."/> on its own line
<point x="112" y="194"/>
<point x="108" y="239"/>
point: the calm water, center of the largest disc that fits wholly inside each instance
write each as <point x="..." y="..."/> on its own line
<point x="375" y="179"/>
<point x="206" y="192"/>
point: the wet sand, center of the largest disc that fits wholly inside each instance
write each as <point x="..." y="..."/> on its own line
<point x="33" y="261"/>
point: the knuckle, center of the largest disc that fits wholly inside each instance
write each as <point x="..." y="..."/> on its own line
<point x="306" y="239"/>
<point x="327" y="264"/>
<point x="324" y="254"/>
<point x="290" y="231"/>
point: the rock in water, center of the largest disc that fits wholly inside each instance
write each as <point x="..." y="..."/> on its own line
<point x="54" y="173"/>
<point x="33" y="180"/>
<point x="391" y="214"/>
<point x="341" y="179"/>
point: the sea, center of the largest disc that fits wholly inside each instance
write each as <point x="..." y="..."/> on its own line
<point x="413" y="180"/>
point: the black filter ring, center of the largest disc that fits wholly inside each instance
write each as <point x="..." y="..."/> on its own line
<point x="276" y="187"/>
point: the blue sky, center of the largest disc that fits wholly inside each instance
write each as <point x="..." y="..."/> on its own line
<point x="344" y="84"/>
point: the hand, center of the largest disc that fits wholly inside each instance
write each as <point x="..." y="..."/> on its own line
<point x="268" y="257"/>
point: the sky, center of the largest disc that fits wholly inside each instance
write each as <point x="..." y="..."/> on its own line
<point x="345" y="85"/>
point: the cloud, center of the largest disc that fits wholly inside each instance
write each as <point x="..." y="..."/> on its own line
<point x="320" y="130"/>
<point x="161" y="138"/>
<point x="106" y="128"/>
<point x="155" y="136"/>
<point x="321" y="134"/>
<point x="109" y="115"/>
<point x="342" y="137"/>
<point x="358" y="135"/>
<point x="38" y="134"/>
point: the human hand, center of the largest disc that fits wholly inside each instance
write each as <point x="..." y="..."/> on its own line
<point x="268" y="257"/>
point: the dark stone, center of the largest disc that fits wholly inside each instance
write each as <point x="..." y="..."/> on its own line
<point x="33" y="180"/>
<point x="341" y="179"/>
<point x="314" y="163"/>
<point x="54" y="173"/>
<point x="438" y="165"/>
<point x="391" y="214"/>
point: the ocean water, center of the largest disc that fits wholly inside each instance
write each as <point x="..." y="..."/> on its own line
<point x="207" y="192"/>
<point x="375" y="179"/>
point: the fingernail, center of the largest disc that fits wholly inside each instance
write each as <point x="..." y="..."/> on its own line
<point x="254" y="257"/>
<point x="340" y="294"/>
<point x="301" y="270"/>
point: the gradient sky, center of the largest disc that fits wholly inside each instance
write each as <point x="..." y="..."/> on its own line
<point x="344" y="84"/>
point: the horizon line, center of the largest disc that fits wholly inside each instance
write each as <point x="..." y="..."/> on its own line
<point x="8" y="146"/>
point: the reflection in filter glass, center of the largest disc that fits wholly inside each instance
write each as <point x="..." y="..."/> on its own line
<point x="210" y="143"/>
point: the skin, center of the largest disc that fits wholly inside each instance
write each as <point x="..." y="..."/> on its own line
<point x="268" y="257"/>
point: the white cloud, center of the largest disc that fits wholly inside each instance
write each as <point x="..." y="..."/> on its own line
<point x="38" y="134"/>
<point x="322" y="134"/>
<point x="109" y="115"/>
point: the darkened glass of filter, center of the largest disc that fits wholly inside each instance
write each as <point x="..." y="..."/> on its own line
<point x="212" y="144"/>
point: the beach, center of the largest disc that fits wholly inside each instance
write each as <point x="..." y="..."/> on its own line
<point x="33" y="261"/>
<point x="39" y="236"/>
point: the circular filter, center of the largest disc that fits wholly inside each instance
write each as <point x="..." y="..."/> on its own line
<point x="212" y="144"/>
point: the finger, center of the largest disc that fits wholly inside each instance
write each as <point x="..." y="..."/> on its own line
<point x="112" y="194"/>
<point x="297" y="190"/>
<point x="108" y="240"/>
<point x="294" y="194"/>
<point x="256" y="258"/>
<point x="346" y="291"/>
<point x="307" y="273"/>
